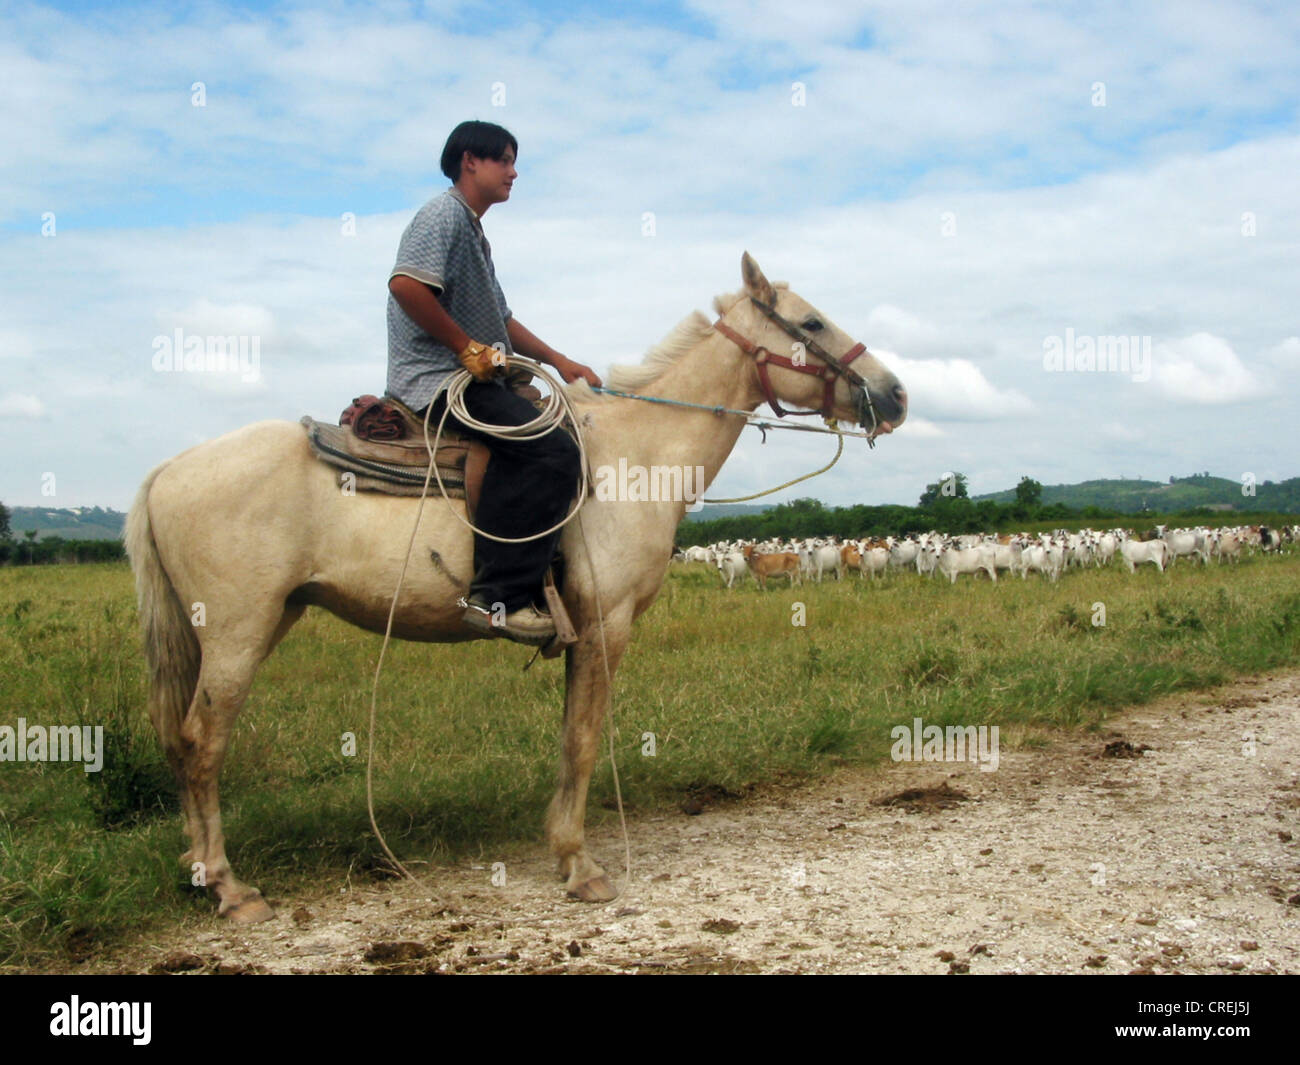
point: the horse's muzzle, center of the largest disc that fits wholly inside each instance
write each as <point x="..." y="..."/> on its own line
<point x="885" y="411"/>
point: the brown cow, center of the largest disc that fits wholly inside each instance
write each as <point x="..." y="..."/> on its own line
<point x="764" y="566"/>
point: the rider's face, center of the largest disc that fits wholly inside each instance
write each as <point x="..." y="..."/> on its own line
<point x="492" y="177"/>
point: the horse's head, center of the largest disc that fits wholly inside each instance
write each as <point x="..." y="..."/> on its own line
<point x="806" y="360"/>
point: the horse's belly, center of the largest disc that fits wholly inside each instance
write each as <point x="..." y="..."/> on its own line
<point x="359" y="558"/>
<point x="417" y="617"/>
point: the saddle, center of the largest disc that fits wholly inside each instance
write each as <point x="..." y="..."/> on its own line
<point x="378" y="446"/>
<point x="395" y="459"/>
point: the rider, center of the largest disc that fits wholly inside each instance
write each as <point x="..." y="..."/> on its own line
<point x="446" y="310"/>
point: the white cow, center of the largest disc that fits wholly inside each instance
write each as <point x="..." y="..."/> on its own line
<point x="1104" y="551"/>
<point x="1047" y="559"/>
<point x="731" y="566"/>
<point x="903" y="553"/>
<point x="827" y="557"/>
<point x="803" y="550"/>
<point x="1078" y="551"/>
<point x="1135" y="552"/>
<point x="1186" y="542"/>
<point x="1009" y="557"/>
<point x="873" y="560"/>
<point x="955" y="560"/>
<point x="927" y="559"/>
<point x="1226" y="542"/>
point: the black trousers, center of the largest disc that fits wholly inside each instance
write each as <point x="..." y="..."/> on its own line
<point x="529" y="486"/>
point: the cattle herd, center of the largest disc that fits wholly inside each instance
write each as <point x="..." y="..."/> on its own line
<point x="1048" y="554"/>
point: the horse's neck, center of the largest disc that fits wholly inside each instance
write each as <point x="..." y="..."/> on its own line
<point x="714" y="373"/>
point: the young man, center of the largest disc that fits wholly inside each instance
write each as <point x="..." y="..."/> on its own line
<point x="445" y="311"/>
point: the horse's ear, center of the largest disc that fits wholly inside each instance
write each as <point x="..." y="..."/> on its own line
<point x="756" y="284"/>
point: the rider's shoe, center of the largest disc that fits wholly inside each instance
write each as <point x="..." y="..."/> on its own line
<point x="527" y="625"/>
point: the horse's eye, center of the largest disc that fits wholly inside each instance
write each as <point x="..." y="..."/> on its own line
<point x="813" y="325"/>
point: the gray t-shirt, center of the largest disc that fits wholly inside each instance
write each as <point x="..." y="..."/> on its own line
<point x="444" y="246"/>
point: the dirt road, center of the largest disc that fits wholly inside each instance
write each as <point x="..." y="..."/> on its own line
<point x="1184" y="857"/>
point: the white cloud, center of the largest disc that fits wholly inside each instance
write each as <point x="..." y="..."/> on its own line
<point x="21" y="405"/>
<point x="1203" y="369"/>
<point x="207" y="318"/>
<point x="956" y="389"/>
<point x="15" y="344"/>
<point x="1284" y="356"/>
<point x="808" y="22"/>
<point x="1118" y="431"/>
<point x="895" y="329"/>
<point x="921" y="429"/>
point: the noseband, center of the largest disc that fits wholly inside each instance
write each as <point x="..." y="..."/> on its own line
<point x="829" y="371"/>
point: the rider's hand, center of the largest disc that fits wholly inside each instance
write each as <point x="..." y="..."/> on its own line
<point x="482" y="361"/>
<point x="571" y="371"/>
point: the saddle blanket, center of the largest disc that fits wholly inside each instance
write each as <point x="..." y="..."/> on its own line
<point x="398" y="467"/>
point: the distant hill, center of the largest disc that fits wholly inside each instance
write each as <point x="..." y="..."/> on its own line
<point x="1180" y="493"/>
<point x="710" y="511"/>
<point x="71" y="523"/>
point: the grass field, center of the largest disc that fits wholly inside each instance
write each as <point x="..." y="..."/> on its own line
<point x="467" y="750"/>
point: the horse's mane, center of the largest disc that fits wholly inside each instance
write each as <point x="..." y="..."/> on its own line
<point x="684" y="336"/>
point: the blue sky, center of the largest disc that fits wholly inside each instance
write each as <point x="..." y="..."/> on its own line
<point x="949" y="190"/>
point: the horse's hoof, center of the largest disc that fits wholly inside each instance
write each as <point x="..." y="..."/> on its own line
<point x="597" y="889"/>
<point x="252" y="910"/>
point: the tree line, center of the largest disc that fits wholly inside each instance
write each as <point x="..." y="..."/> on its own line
<point x="30" y="551"/>
<point x="946" y="506"/>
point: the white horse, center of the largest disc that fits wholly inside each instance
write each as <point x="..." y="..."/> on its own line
<point x="252" y="526"/>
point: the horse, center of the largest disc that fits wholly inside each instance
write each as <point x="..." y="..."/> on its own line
<point x="255" y="528"/>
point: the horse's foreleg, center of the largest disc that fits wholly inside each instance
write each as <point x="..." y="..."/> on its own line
<point x="586" y="702"/>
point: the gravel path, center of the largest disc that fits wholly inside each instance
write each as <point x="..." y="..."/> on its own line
<point x="1179" y="858"/>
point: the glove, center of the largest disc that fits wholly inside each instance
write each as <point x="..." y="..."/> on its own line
<point x="482" y="361"/>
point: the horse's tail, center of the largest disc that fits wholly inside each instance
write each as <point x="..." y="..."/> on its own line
<point x="170" y="646"/>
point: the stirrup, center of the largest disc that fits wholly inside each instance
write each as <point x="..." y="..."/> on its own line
<point x="565" y="634"/>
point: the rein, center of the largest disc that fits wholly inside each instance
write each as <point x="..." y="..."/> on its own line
<point x="751" y="419"/>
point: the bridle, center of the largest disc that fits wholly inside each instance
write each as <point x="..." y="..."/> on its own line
<point x="829" y="371"/>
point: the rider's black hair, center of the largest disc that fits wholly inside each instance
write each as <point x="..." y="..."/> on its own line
<point x="481" y="139"/>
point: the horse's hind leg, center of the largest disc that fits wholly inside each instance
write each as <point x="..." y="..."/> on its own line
<point x="222" y="688"/>
<point x="224" y="680"/>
